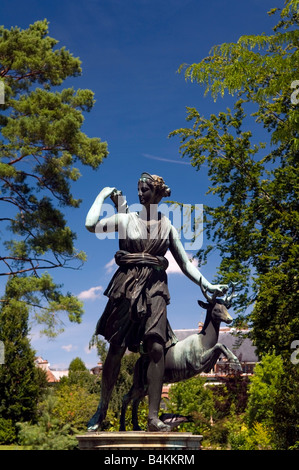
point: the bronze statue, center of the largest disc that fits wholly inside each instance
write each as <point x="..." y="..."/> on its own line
<point x="138" y="294"/>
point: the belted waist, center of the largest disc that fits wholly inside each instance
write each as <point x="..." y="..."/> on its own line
<point x="123" y="258"/>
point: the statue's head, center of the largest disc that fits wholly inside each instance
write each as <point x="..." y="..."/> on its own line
<point x="153" y="188"/>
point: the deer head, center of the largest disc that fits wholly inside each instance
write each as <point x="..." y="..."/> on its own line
<point x="217" y="307"/>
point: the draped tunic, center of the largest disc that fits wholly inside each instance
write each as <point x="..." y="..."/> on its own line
<point x="138" y="292"/>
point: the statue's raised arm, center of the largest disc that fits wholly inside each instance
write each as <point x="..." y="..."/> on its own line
<point x="109" y="224"/>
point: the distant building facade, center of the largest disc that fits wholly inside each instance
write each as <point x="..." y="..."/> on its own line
<point x="52" y="375"/>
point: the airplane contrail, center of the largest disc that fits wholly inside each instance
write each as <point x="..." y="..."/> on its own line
<point x="161" y="159"/>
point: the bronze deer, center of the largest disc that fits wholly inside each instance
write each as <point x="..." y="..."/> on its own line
<point x="195" y="354"/>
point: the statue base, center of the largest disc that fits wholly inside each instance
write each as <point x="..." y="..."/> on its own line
<point x="139" y="440"/>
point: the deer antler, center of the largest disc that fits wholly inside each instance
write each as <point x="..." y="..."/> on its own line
<point x="210" y="299"/>
<point x="228" y="299"/>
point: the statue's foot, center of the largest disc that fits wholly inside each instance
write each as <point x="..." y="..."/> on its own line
<point x="93" y="428"/>
<point x="156" y="425"/>
<point x="95" y="422"/>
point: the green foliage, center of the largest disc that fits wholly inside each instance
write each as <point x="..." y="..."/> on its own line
<point x="254" y="222"/>
<point x="7" y="431"/>
<point x="285" y="425"/>
<point x="50" y="433"/>
<point x="232" y="392"/>
<point x="264" y="390"/>
<point x="21" y="384"/>
<point x="41" y="142"/>
<point x="230" y="400"/>
<point x="77" y="365"/>
<point x="112" y="420"/>
<point x="251" y="152"/>
<point x="191" y="398"/>
<point x="101" y="346"/>
<point x="74" y="405"/>
<point x="30" y="292"/>
<point x="67" y="408"/>
<point x="274" y="401"/>
<point x="233" y="433"/>
<point x="123" y="384"/>
<point x="240" y="437"/>
<point x="63" y="411"/>
<point x="260" y="67"/>
<point x="79" y="376"/>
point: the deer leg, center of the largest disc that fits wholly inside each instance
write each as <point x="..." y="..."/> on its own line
<point x="126" y="400"/>
<point x="232" y="359"/>
<point x="136" y="393"/>
<point x="136" y="396"/>
<point x="210" y="357"/>
<point x="135" y="406"/>
<point x="213" y="355"/>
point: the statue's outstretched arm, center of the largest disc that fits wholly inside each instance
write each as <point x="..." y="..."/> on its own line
<point x="191" y="271"/>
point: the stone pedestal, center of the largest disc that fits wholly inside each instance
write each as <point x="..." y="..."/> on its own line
<point x="139" y="440"/>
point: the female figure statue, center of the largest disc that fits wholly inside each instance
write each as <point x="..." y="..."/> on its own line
<point x="135" y="313"/>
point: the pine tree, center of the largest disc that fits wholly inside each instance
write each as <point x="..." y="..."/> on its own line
<point x="41" y="141"/>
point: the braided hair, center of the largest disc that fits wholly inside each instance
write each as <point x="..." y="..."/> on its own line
<point x="157" y="182"/>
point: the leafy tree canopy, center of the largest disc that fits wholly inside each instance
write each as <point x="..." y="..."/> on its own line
<point x="77" y="365"/>
<point x="254" y="222"/>
<point x="40" y="143"/>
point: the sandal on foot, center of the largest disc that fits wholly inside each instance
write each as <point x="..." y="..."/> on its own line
<point x="156" y="425"/>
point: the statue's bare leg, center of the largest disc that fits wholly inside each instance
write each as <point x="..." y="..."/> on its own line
<point x="109" y="377"/>
<point x="155" y="373"/>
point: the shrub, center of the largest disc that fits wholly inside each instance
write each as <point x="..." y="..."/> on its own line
<point x="48" y="433"/>
<point x="7" y="431"/>
<point x="191" y="398"/>
<point x="74" y="405"/>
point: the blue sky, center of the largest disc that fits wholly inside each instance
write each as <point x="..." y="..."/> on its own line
<point x="130" y="52"/>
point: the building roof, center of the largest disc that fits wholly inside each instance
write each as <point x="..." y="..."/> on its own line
<point x="52" y="375"/>
<point x="239" y="344"/>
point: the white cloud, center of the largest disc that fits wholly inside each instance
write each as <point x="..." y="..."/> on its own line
<point x="173" y="267"/>
<point x="68" y="347"/>
<point x="110" y="266"/>
<point x="91" y="294"/>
